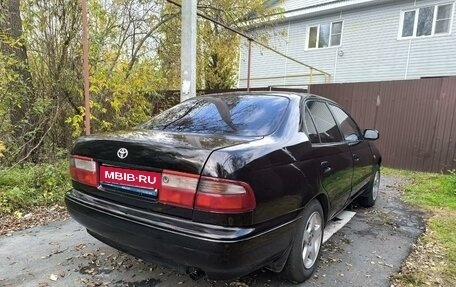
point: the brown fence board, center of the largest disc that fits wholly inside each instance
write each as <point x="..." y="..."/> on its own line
<point x="451" y="160"/>
<point x="416" y="119"/>
<point x="447" y="104"/>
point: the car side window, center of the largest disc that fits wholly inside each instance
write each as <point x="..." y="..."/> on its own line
<point x="324" y="122"/>
<point x="347" y="125"/>
<point x="309" y="127"/>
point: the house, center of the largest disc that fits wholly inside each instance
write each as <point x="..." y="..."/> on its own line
<point x="354" y="41"/>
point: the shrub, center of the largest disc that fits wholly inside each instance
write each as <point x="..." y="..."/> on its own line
<point x="22" y="188"/>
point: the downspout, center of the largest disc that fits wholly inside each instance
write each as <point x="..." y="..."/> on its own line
<point x="408" y="52"/>
<point x="335" y="65"/>
<point x="408" y="59"/>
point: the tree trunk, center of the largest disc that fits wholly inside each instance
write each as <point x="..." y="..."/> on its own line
<point x="21" y="115"/>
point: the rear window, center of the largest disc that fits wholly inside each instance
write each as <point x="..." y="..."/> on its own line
<point x="227" y="115"/>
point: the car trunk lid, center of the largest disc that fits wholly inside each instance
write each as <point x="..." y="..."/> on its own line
<point x="155" y="149"/>
<point x="149" y="157"/>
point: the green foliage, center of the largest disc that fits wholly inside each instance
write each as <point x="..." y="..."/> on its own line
<point x="22" y="188"/>
<point x="134" y="53"/>
<point x="120" y="99"/>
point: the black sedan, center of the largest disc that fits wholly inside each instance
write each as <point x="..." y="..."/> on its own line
<point x="226" y="184"/>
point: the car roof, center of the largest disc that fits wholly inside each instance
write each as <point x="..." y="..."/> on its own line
<point x="286" y="94"/>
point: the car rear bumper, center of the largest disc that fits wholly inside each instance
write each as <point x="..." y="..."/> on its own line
<point x="221" y="252"/>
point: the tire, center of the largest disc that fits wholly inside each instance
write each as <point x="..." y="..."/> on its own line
<point x="368" y="198"/>
<point x="305" y="251"/>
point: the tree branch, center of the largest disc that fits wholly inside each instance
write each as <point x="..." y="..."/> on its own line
<point x="134" y="57"/>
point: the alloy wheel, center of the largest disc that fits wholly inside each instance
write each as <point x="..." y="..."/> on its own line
<point x="312" y="239"/>
<point x="376" y="186"/>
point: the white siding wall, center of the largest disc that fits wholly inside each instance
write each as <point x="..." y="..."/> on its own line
<point x="370" y="45"/>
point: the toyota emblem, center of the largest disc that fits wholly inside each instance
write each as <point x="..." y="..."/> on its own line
<point x="122" y="153"/>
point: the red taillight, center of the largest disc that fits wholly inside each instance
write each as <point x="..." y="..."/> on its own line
<point x="84" y="170"/>
<point x="213" y="194"/>
<point x="224" y="196"/>
<point x="178" y="188"/>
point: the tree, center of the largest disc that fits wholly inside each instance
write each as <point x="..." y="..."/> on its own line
<point x="218" y="48"/>
<point x="134" y="53"/>
<point x="124" y="75"/>
<point x="18" y="89"/>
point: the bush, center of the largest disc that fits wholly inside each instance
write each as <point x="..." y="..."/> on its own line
<point x="22" y="188"/>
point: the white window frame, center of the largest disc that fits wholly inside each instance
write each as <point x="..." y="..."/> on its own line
<point x="434" y="20"/>
<point x="318" y="35"/>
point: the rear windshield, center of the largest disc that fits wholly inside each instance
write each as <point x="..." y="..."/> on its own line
<point x="232" y="114"/>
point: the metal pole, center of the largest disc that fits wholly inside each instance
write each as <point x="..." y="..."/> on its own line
<point x="249" y="63"/>
<point x="85" y="65"/>
<point x="188" y="50"/>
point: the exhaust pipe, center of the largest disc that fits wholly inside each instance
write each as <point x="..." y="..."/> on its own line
<point x="195" y="273"/>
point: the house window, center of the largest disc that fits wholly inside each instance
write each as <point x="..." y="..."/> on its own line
<point x="324" y="35"/>
<point x="426" y="21"/>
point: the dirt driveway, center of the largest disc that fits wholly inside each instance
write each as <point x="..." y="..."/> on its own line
<point x="364" y="253"/>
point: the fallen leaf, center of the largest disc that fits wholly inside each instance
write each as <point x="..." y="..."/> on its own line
<point x="80" y="246"/>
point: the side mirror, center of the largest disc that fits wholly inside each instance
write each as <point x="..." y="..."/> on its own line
<point x="371" y="135"/>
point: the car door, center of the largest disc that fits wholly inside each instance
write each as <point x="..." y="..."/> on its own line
<point x="331" y="152"/>
<point x="360" y="149"/>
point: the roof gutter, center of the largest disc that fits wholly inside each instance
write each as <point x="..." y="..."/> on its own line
<point x="322" y="9"/>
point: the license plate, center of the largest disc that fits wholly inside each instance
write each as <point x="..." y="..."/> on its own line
<point x="130" y="177"/>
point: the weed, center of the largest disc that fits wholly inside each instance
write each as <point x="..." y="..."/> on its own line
<point x="22" y="188"/>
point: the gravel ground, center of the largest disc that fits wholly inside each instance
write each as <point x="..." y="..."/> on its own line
<point x="366" y="252"/>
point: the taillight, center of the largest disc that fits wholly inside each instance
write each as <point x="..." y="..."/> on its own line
<point x="178" y="188"/>
<point x="224" y="196"/>
<point x="84" y="170"/>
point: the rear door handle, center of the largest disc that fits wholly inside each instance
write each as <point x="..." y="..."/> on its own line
<point x="326" y="167"/>
<point x="355" y="157"/>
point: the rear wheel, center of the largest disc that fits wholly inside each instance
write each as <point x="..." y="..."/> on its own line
<point x="368" y="198"/>
<point x="305" y="250"/>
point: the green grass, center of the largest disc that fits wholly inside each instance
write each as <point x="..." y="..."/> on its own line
<point x="444" y="227"/>
<point x="429" y="190"/>
<point x="23" y="188"/>
<point x="435" y="193"/>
